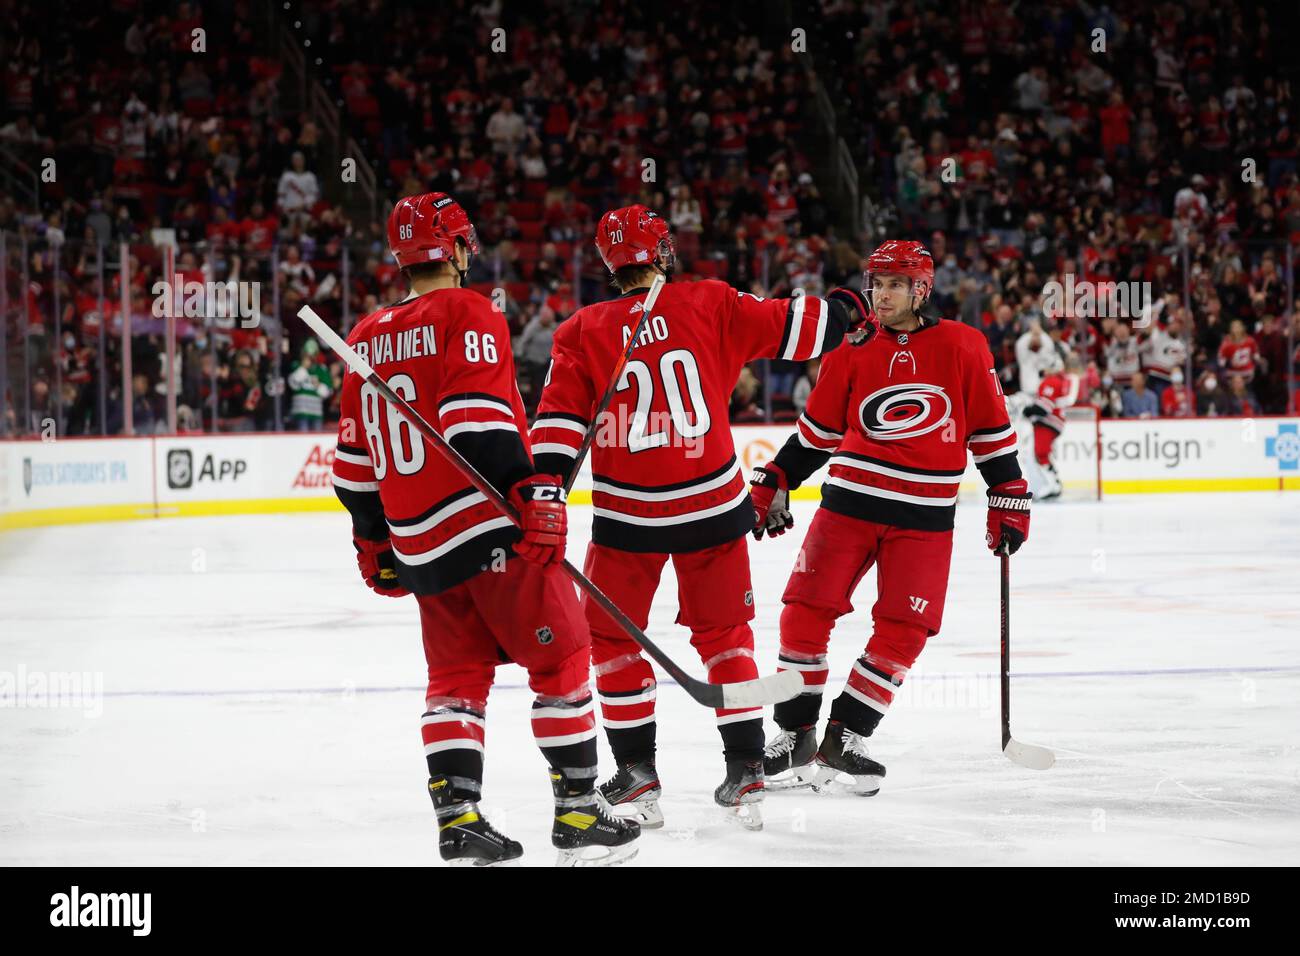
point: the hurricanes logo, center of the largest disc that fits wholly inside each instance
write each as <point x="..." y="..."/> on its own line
<point x="904" y="411"/>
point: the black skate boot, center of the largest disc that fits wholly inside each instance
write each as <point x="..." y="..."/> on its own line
<point x="465" y="838"/>
<point x="741" y="794"/>
<point x="788" y="758"/>
<point x="844" y="766"/>
<point x="633" y="793"/>
<point x="586" y="832"/>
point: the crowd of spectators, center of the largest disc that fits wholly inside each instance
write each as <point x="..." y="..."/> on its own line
<point x="996" y="133"/>
<point x="1148" y="142"/>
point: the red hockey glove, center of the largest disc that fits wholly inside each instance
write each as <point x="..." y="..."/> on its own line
<point x="1008" y="516"/>
<point x="769" y="491"/>
<point x="863" y="325"/>
<point x="378" y="566"/>
<point x="544" y="523"/>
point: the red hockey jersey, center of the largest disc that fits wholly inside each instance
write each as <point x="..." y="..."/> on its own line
<point x="1057" y="392"/>
<point x="895" y="416"/>
<point x="664" y="468"/>
<point x="446" y="352"/>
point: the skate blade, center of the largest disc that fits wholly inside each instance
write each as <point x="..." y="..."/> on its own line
<point x="645" y="812"/>
<point x="793" y="779"/>
<point x="831" y="781"/>
<point x="748" y="814"/>
<point x="597" y="855"/>
<point x="472" y="861"/>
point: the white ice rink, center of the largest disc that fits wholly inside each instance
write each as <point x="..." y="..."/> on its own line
<point x="261" y="706"/>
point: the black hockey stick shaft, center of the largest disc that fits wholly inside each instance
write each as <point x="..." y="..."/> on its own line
<point x="1006" y="646"/>
<point x="710" y="695"/>
<point x="646" y="305"/>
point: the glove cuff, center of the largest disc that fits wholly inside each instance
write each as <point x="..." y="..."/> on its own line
<point x="770" y="475"/>
<point x="538" y="488"/>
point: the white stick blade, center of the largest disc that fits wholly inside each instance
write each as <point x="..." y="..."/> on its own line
<point x="766" y="690"/>
<point x="1029" y="756"/>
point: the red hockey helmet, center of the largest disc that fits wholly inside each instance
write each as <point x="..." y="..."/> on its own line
<point x="902" y="257"/>
<point x="425" y="228"/>
<point x="634" y="236"/>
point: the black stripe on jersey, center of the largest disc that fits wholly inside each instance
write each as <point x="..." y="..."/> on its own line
<point x="479" y="396"/>
<point x="677" y="486"/>
<point x="896" y="514"/>
<point x="553" y="463"/>
<point x="542" y="417"/>
<point x="428" y="512"/>
<point x="674" y="538"/>
<point x="475" y="556"/>
<point x="354" y="450"/>
<point x="785" y="332"/>
<point x="498" y="455"/>
<point x="974" y="436"/>
<point x="367" y="513"/>
<point x="1003" y="468"/>
<point x="798" y="461"/>
<point x="929" y="472"/>
<point x="820" y="427"/>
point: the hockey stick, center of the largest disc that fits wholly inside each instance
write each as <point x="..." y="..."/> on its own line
<point x="585" y="447"/>
<point x="1030" y="756"/>
<point x="753" y="693"/>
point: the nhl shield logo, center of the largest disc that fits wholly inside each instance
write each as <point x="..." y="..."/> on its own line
<point x="749" y="599"/>
<point x="902" y="338"/>
<point x="545" y="635"/>
<point x="27" y="476"/>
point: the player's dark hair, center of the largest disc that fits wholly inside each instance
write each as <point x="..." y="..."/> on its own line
<point x="629" y="277"/>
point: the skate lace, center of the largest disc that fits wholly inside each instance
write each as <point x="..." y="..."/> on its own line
<point x="782" y="745"/>
<point x="856" y="744"/>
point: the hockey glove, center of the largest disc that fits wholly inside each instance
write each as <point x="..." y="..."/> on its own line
<point x="862" y="327"/>
<point x="378" y="566"/>
<point x="769" y="491"/>
<point x="543" y="521"/>
<point x="1008" y="516"/>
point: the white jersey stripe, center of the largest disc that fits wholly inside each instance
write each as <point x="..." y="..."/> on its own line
<point x="410" y="530"/>
<point x="892" y="495"/>
<point x="355" y="485"/>
<point x="464" y="403"/>
<point x="459" y="427"/>
<point x="1009" y="450"/>
<point x="888" y="472"/>
<point x="674" y="519"/>
<point x="796" y="327"/>
<point x="456" y="541"/>
<point x="718" y="482"/>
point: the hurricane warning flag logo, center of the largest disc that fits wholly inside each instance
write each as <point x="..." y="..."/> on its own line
<point x="904" y="411"/>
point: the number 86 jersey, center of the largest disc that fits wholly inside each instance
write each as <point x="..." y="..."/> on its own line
<point x="664" y="469"/>
<point x="448" y="354"/>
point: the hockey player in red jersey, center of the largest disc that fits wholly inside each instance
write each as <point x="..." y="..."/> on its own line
<point x="486" y="591"/>
<point x="666" y="482"/>
<point x="894" y="414"/>
<point x="1057" y="392"/>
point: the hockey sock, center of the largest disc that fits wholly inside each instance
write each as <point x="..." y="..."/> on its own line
<point x="627" y="706"/>
<point x="877" y="675"/>
<point x="728" y="657"/>
<point x="803" y="710"/>
<point x="452" y="729"/>
<point x="565" y="730"/>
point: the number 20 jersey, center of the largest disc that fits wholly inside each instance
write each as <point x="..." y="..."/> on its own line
<point x="664" y="469"/>
<point x="447" y="353"/>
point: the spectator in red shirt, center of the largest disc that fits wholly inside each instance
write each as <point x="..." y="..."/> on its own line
<point x="1177" y="400"/>
<point x="1239" y="353"/>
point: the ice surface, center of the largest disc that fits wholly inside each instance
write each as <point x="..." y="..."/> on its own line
<point x="261" y="706"/>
